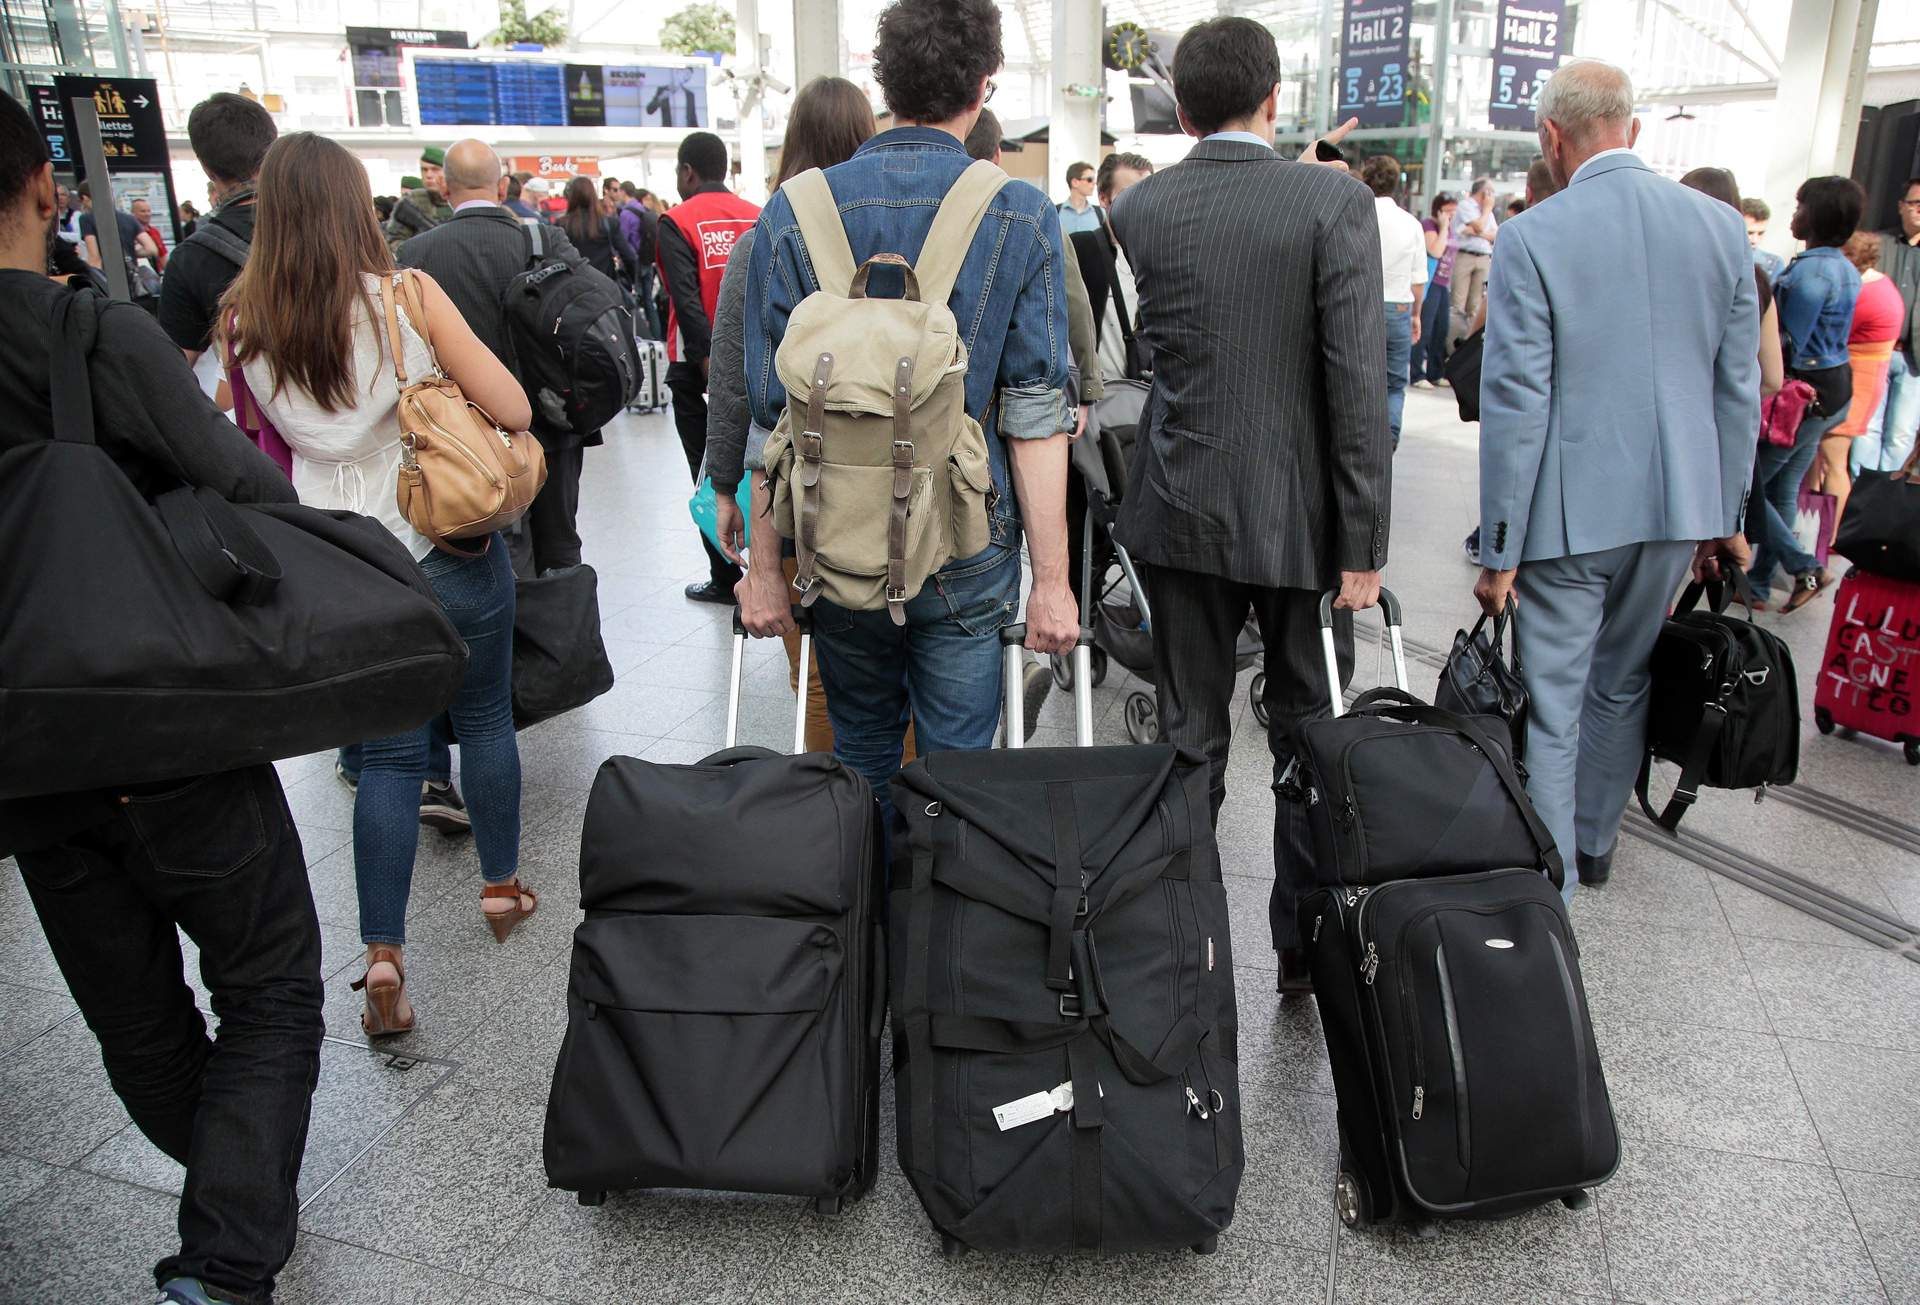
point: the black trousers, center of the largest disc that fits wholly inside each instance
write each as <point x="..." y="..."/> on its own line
<point x="549" y="536"/>
<point x="689" y="389"/>
<point x="219" y="857"/>
<point x="1197" y="620"/>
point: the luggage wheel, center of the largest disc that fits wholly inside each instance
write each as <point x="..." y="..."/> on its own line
<point x="1349" y="1197"/>
<point x="1823" y="719"/>
<point x="952" y="1247"/>
<point x="826" y="1204"/>
<point x="593" y="1198"/>
<point x="1206" y="1246"/>
<point x="1577" y="1200"/>
<point x="1143" y="718"/>
<point x="1257" y="697"/>
<point x="1910" y="749"/>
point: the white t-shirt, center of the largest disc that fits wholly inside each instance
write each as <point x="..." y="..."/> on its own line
<point x="1403" y="250"/>
<point x="1467" y="212"/>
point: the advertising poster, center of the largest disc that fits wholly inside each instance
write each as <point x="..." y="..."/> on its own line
<point x="52" y="117"/>
<point x="1374" y="45"/>
<point x="1526" y="51"/>
<point x="657" y="97"/>
<point x="552" y="166"/>
<point x="586" y="96"/>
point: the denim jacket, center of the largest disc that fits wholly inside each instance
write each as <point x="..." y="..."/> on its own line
<point x="1010" y="298"/>
<point x="1816" y="295"/>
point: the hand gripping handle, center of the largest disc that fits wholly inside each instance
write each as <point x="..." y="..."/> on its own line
<point x="1390" y="607"/>
<point x="801" y="618"/>
<point x="1012" y="639"/>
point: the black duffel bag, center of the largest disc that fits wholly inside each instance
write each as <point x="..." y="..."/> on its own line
<point x="144" y="641"/>
<point x="559" y="660"/>
<point x="1880" y="530"/>
<point x="1478" y="680"/>
<point x="1725" y="704"/>
<point x="1462" y="370"/>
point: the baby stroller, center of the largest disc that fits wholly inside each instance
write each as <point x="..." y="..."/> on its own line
<point x="1120" y="608"/>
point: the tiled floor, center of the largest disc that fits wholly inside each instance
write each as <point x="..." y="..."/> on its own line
<point x="1765" y="1066"/>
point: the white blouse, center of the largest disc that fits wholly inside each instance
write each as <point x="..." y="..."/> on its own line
<point x="351" y="459"/>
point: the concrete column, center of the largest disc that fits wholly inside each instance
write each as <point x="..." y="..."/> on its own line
<point x="1073" y="132"/>
<point x="816" y="41"/>
<point x="753" y="145"/>
<point x="1437" y="83"/>
<point x="1812" y="133"/>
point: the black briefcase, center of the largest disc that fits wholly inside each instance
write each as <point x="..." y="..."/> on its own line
<point x="1880" y="530"/>
<point x="1479" y="680"/>
<point x="559" y="659"/>
<point x="142" y="642"/>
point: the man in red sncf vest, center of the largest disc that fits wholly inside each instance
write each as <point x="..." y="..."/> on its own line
<point x="695" y="240"/>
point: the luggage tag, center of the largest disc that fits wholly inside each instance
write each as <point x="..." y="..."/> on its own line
<point x="1037" y="1106"/>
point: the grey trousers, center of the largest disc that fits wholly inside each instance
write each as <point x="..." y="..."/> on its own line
<point x="1587" y="627"/>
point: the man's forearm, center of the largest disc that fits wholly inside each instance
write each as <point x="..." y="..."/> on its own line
<point x="1039" y="470"/>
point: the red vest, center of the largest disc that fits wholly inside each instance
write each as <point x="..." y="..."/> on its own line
<point x="711" y="222"/>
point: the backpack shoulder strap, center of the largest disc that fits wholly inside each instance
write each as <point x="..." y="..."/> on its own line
<point x="211" y="235"/>
<point x="536" y="238"/>
<point x="953" y="227"/>
<point x="818" y="214"/>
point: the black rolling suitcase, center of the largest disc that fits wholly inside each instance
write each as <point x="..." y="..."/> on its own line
<point x="1062" y="987"/>
<point x="1463" y="1056"/>
<point x="728" y="983"/>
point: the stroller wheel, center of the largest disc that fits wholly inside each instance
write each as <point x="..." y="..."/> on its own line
<point x="1098" y="656"/>
<point x="1257" y="697"/>
<point x="1063" y="668"/>
<point x="1143" y="718"/>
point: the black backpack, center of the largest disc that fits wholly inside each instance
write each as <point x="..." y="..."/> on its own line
<point x="1726" y="705"/>
<point x="572" y="341"/>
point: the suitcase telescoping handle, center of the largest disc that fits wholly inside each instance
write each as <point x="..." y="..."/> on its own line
<point x="1012" y="642"/>
<point x="801" y="618"/>
<point x="1390" y="607"/>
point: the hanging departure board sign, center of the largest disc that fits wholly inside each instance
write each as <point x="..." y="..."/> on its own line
<point x="1526" y="51"/>
<point x="1374" y="45"/>
<point x="508" y="92"/>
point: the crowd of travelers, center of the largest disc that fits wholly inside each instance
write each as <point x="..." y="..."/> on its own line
<point x="1279" y="309"/>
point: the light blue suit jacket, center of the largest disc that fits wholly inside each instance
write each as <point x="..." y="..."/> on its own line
<point x="1620" y="389"/>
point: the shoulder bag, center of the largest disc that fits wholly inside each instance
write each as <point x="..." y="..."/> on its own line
<point x="1479" y="680"/>
<point x="461" y="475"/>
<point x="1880" y="530"/>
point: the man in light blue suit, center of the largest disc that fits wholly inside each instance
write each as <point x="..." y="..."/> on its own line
<point x="1619" y="405"/>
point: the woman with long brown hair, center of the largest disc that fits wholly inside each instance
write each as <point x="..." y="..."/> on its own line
<point x="306" y="324"/>
<point x="593" y="233"/>
<point x="831" y="119"/>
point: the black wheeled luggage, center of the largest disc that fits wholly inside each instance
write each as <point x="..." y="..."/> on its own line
<point x="727" y="990"/>
<point x="1062" y="987"/>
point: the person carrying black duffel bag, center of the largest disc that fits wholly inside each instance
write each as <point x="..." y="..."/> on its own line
<point x="114" y="871"/>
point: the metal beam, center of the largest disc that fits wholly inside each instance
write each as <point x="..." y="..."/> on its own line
<point x="1437" y="80"/>
<point x="1700" y="27"/>
<point x="1753" y="29"/>
<point x="106" y="228"/>
<point x="1073" y="130"/>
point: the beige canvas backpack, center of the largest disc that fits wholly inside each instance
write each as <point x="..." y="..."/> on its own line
<point x="877" y="473"/>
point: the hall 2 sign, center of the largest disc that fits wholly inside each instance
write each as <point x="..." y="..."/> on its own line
<point x="1527" y="44"/>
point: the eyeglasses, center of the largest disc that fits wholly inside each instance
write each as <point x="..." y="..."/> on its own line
<point x="1910" y="203"/>
<point x="992" y="86"/>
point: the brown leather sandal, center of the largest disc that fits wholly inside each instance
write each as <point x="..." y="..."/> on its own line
<point x="502" y="922"/>
<point x="381" y="1018"/>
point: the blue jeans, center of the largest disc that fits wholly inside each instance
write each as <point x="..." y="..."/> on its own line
<point x="478" y="594"/>
<point x="439" y="753"/>
<point x="1891" y="429"/>
<point x="1436" y="310"/>
<point x="1774" y="502"/>
<point x="941" y="669"/>
<point x="1399" y="344"/>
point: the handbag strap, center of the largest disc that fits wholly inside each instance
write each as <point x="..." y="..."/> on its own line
<point x="225" y="555"/>
<point x="1396" y="702"/>
<point x="392" y="315"/>
<point x="1692" y="769"/>
<point x="70" y="387"/>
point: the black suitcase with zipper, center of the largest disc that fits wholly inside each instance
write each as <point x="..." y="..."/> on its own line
<point x="1062" y="987"/>
<point x="728" y="984"/>
<point x="1463" y="1056"/>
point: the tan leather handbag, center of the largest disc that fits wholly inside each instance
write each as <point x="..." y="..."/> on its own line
<point x="461" y="475"/>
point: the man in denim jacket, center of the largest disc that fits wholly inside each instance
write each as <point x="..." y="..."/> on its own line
<point x="933" y="59"/>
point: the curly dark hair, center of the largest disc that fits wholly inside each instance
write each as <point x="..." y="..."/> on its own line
<point x="929" y="56"/>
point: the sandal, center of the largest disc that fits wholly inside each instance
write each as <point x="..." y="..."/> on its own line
<point x="503" y="922"/>
<point x="1807" y="586"/>
<point x="381" y="1018"/>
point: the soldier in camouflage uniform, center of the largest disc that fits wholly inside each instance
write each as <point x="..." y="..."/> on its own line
<point x="423" y="202"/>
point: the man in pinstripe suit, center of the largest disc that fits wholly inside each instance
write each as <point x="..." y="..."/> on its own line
<point x="1262" y="480"/>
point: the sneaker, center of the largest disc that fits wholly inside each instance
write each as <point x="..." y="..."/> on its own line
<point x="1471" y="547"/>
<point x="346" y="777"/>
<point x="708" y="591"/>
<point x="1034" y="690"/>
<point x="186" y="1291"/>
<point x="442" y="809"/>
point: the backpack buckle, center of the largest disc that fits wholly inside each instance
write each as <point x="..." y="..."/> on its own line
<point x="896" y="594"/>
<point x="810" y="445"/>
<point x="1070" y="1005"/>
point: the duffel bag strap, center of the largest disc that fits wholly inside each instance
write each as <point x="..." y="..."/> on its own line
<point x="225" y="555"/>
<point x="1692" y="770"/>
<point x="70" y="387"/>
<point x="1069" y="886"/>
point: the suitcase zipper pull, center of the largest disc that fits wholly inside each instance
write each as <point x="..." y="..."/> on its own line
<point x="1345" y="815"/>
<point x="1195" y="1106"/>
<point x="1419" y="1101"/>
<point x="1370" y="964"/>
<point x="1317" y="921"/>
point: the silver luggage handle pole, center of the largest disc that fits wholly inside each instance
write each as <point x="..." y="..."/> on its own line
<point x="1013" y="639"/>
<point x="733" y="679"/>
<point x="801" y="618"/>
<point x="1390" y="612"/>
<point x="800" y="699"/>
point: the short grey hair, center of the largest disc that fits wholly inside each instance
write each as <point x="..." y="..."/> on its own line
<point x="1584" y="96"/>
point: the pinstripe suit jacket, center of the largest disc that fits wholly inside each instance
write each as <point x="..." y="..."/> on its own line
<point x="1267" y="457"/>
